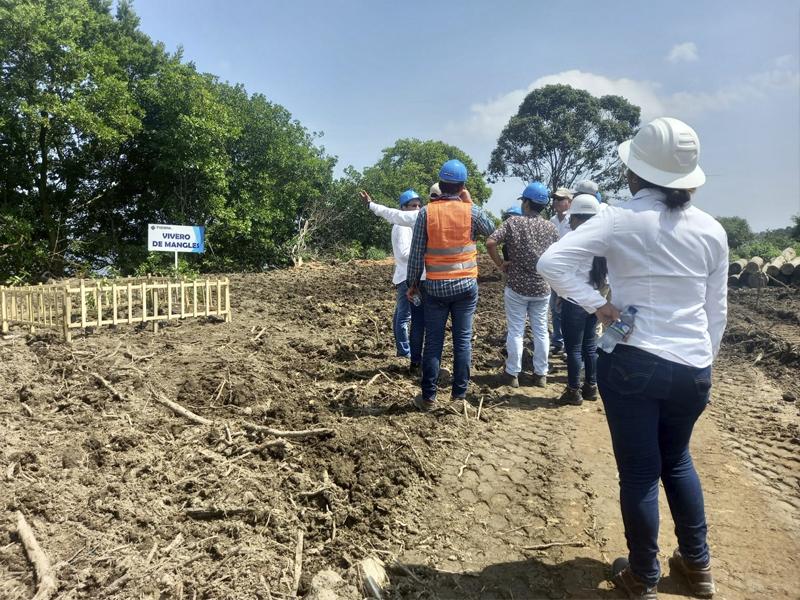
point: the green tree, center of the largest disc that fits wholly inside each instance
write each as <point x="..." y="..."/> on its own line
<point x="409" y="163"/>
<point x="738" y="230"/>
<point x="64" y="102"/>
<point x="561" y="134"/>
<point x="796" y="227"/>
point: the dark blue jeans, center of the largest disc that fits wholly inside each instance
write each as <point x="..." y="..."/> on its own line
<point x="437" y="309"/>
<point x="556" y="338"/>
<point x="580" y="342"/>
<point x="651" y="405"/>
<point x="405" y="314"/>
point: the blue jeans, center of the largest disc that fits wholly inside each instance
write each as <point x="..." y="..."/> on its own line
<point x="556" y="338"/>
<point x="437" y="309"/>
<point x="651" y="406"/>
<point x="580" y="342"/>
<point x="407" y="316"/>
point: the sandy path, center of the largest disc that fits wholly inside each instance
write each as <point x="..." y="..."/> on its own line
<point x="543" y="473"/>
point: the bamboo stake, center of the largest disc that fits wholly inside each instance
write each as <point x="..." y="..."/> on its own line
<point x="46" y="582"/>
<point x="227" y="300"/>
<point x="114" y="303"/>
<point x="194" y="298"/>
<point x="169" y="301"/>
<point x="183" y="299"/>
<point x="130" y="302"/>
<point x="30" y="312"/>
<point x="144" y="302"/>
<point x="3" y="310"/>
<point x="219" y="298"/>
<point x="98" y="292"/>
<point x="83" y="305"/>
<point x="208" y="296"/>
<point x="67" y="314"/>
<point x="155" y="310"/>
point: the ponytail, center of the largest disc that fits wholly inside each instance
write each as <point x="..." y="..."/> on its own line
<point x="676" y="198"/>
<point x="599" y="272"/>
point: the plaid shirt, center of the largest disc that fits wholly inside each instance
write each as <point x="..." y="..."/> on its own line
<point x="481" y="225"/>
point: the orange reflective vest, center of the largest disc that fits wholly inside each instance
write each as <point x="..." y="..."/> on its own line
<point x="451" y="251"/>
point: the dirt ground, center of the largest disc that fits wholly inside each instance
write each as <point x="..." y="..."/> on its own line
<point x="134" y="501"/>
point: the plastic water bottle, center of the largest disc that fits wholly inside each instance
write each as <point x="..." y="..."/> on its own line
<point x="618" y="331"/>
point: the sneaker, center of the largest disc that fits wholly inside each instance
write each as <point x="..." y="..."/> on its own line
<point x="539" y="380"/>
<point x="571" y="396"/>
<point x="624" y="579"/>
<point x="589" y="392"/>
<point x="556" y="348"/>
<point x="424" y="404"/>
<point x="511" y="380"/>
<point x="415" y="369"/>
<point x="700" y="580"/>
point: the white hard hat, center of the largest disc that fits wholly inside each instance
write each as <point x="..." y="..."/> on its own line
<point x="584" y="204"/>
<point x="586" y="187"/>
<point x="435" y="191"/>
<point x="665" y="152"/>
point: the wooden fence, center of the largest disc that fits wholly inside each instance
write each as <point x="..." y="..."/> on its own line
<point x="94" y="303"/>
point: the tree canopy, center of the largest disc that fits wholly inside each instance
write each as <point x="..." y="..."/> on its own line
<point x="561" y="134"/>
<point x="738" y="230"/>
<point x="409" y="163"/>
<point x="103" y="131"/>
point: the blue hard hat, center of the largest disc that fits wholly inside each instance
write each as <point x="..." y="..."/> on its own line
<point x="453" y="171"/>
<point x="537" y="193"/>
<point x="408" y="196"/>
<point x="514" y="211"/>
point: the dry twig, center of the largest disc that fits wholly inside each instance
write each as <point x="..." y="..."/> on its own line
<point x="178" y="409"/>
<point x="301" y="433"/>
<point x="298" y="562"/>
<point x="464" y="466"/>
<point x="574" y="544"/>
<point x="46" y="582"/>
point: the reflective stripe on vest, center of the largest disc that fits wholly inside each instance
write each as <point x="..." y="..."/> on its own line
<point x="451" y="252"/>
<point x="453" y="267"/>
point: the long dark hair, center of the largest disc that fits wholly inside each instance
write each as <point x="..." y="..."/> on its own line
<point x="675" y="198"/>
<point x="599" y="272"/>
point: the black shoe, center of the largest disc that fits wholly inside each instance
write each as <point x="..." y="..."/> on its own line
<point x="589" y="392"/>
<point x="571" y="396"/>
<point x="424" y="404"/>
<point x="557" y="348"/>
<point x="510" y="380"/>
<point x="700" y="580"/>
<point x="539" y="380"/>
<point x="627" y="581"/>
<point x="415" y="369"/>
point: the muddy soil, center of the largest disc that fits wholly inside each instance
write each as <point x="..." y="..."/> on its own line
<point x="135" y="501"/>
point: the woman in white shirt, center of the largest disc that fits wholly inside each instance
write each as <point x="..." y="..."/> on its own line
<point x="668" y="259"/>
<point x="408" y="321"/>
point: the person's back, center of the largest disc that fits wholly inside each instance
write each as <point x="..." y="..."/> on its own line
<point x="663" y="270"/>
<point x="526" y="239"/>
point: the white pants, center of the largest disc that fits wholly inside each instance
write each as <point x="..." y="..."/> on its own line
<point x="517" y="308"/>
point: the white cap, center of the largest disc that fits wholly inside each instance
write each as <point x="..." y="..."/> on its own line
<point x="584" y="204"/>
<point x="586" y="186"/>
<point x="435" y="191"/>
<point x="665" y="152"/>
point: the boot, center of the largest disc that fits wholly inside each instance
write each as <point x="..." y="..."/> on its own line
<point x="700" y="580"/>
<point x="589" y="392"/>
<point x="571" y="396"/>
<point x="510" y="380"/>
<point x="626" y="580"/>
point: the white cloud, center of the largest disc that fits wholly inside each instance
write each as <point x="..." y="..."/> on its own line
<point x="685" y="52"/>
<point x="487" y="119"/>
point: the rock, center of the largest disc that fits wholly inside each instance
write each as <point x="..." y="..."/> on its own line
<point x="789" y="396"/>
<point x="326" y="579"/>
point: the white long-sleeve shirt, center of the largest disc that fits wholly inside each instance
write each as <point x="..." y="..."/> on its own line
<point x="562" y="225"/>
<point x="672" y="265"/>
<point x="402" y="232"/>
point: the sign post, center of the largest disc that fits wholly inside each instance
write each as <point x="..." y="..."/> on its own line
<point x="176" y="238"/>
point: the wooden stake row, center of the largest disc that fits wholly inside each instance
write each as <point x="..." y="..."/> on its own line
<point x="64" y="307"/>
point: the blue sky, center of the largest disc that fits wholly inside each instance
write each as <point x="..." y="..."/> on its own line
<point x="369" y="72"/>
